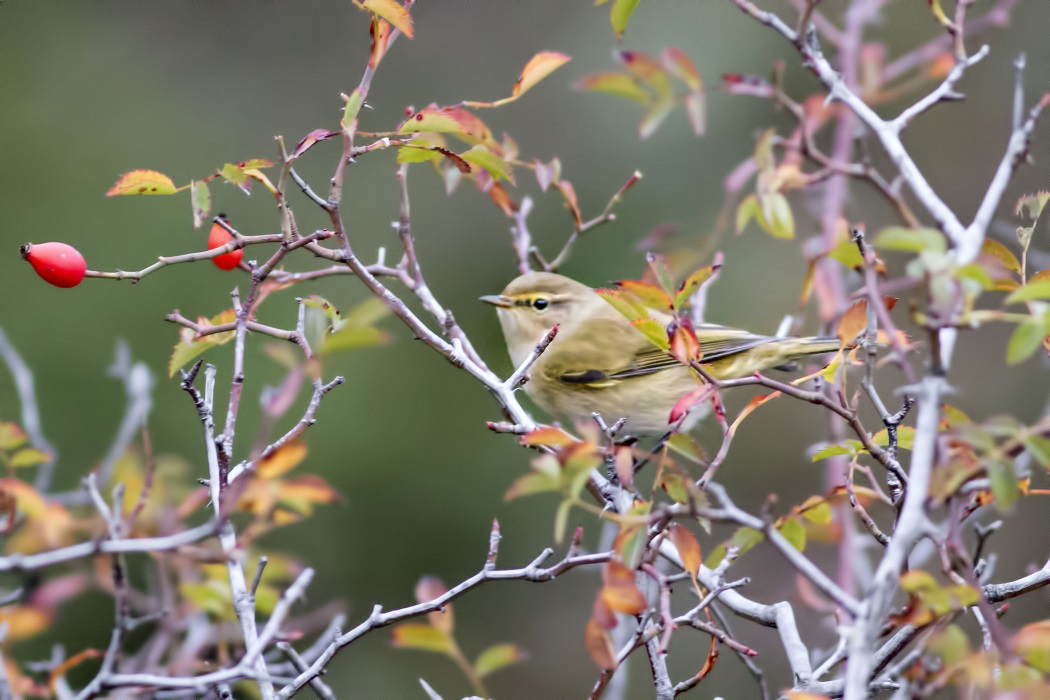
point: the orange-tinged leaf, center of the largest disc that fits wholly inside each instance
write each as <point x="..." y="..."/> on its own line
<point x="286" y="458"/>
<point x="549" y="436"/>
<point x="649" y="70"/>
<point x="309" y="488"/>
<point x="688" y="548"/>
<point x="380" y="32"/>
<point x="751" y="406"/>
<point x="684" y="346"/>
<point x="142" y="182"/>
<point x="693" y="282"/>
<point x="681" y="66"/>
<point x="816" y="509"/>
<point x="27" y="500"/>
<point x="23" y="621"/>
<point x="568" y="192"/>
<point x="421" y="637"/>
<point x="687" y="402"/>
<point x="626" y="304"/>
<point x="72" y="662"/>
<point x="619" y="591"/>
<point x="501" y="197"/>
<point x="1032" y="643"/>
<point x="455" y="120"/>
<point x="429" y="588"/>
<point x="390" y="10"/>
<point x="600" y="646"/>
<point x="310" y="139"/>
<point x="539" y="67"/>
<point x="11" y="436"/>
<point x="853" y="322"/>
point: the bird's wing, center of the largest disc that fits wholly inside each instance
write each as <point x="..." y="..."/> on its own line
<point x="600" y="351"/>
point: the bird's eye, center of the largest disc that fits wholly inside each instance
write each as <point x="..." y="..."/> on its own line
<point x="540" y="304"/>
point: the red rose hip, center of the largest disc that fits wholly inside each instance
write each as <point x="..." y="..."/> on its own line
<point x="59" y="264"/>
<point x="218" y="238"/>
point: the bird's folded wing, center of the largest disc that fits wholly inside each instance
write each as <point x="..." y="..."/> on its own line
<point x="601" y="351"/>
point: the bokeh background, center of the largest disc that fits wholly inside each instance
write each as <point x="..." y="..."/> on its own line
<point x="91" y="90"/>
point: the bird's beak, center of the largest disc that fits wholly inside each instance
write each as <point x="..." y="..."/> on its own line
<point x="497" y="300"/>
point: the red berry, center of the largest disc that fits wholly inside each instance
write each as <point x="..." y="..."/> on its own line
<point x="218" y="238"/>
<point x="57" y="263"/>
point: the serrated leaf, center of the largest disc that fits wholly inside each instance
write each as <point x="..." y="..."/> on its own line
<point x="649" y="294"/>
<point x="390" y="10"/>
<point x="912" y="240"/>
<point x="654" y="331"/>
<point x="693" y="283"/>
<point x="623" y="302"/>
<point x="413" y="635"/>
<point x="492" y="163"/>
<point x="498" y="656"/>
<point x="142" y="182"/>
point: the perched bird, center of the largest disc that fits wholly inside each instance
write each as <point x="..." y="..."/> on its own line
<point x="600" y="363"/>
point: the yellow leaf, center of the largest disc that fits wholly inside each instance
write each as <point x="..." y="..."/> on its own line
<point x="539" y="67"/>
<point x="391" y="11"/>
<point x="286" y="458"/>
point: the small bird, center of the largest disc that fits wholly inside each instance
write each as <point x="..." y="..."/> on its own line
<point x="600" y="363"/>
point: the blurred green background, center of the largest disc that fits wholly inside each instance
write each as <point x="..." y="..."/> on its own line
<point x="93" y="90"/>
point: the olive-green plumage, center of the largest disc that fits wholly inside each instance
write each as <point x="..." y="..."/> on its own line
<point x="600" y="363"/>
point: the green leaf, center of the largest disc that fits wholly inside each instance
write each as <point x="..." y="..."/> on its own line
<point x="498" y="656"/>
<point x="367" y="313"/>
<point x="626" y="304"/>
<point x="743" y="539"/>
<point x="833" y="451"/>
<point x="212" y="597"/>
<point x="422" y="154"/>
<point x="621" y="15"/>
<point x="748" y="209"/>
<point x="1004" y="484"/>
<point x="817" y="510"/>
<point x="200" y="200"/>
<point x="617" y="84"/>
<point x="1032" y="290"/>
<point x="905" y="437"/>
<point x="532" y="483"/>
<point x="780" y="222"/>
<point x="11" y="436"/>
<point x="561" y="520"/>
<point x="1032" y="643"/>
<point x="142" y="182"/>
<point x="28" y="457"/>
<point x="421" y="637"/>
<point x="911" y="240"/>
<point x="654" y="331"/>
<point x="353" y="106"/>
<point x="848" y="254"/>
<point x="484" y="158"/>
<point x="1026" y="339"/>
<point x="1039" y="447"/>
<point x="654" y="117"/>
<point x="794" y="533"/>
<point x="951" y="645"/>
<point x="692" y="283"/>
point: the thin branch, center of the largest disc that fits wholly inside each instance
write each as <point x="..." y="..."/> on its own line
<point x="25" y="386"/>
